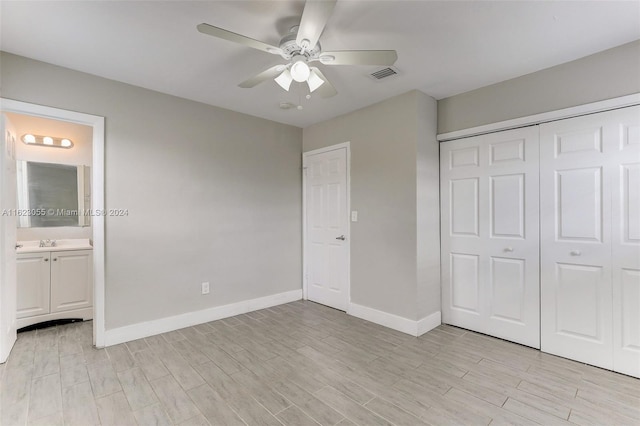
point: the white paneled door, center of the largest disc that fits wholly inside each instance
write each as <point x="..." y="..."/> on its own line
<point x="326" y="227"/>
<point x="590" y="231"/>
<point x="490" y="239"/>
<point x="625" y="250"/>
<point x="8" y="224"/>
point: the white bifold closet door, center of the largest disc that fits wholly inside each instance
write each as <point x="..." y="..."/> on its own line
<point x="490" y="238"/>
<point x="625" y="248"/>
<point x="590" y="234"/>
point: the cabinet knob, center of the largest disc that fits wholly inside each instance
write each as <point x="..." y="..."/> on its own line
<point x="46" y="260"/>
<point x="55" y="259"/>
<point x="575" y="253"/>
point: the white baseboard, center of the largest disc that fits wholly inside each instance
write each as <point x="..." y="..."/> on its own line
<point x="149" y="328"/>
<point x="428" y="323"/>
<point x="395" y="322"/>
<point x="386" y="319"/>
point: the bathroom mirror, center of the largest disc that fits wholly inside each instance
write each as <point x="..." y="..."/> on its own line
<point x="52" y="195"/>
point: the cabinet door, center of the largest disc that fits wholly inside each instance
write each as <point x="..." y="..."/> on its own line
<point x="33" y="284"/>
<point x="490" y="257"/>
<point x="71" y="280"/>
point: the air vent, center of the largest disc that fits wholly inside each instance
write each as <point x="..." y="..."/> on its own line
<point x="384" y="73"/>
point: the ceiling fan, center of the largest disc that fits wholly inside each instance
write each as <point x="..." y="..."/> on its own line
<point x="301" y="49"/>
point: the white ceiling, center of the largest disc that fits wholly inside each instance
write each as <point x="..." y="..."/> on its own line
<point x="444" y="47"/>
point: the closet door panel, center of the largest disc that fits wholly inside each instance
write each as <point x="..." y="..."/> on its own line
<point x="578" y="210"/>
<point x="507" y="281"/>
<point x="588" y="251"/>
<point x="464" y="207"/>
<point x="512" y="304"/>
<point x="626" y="241"/>
<point x="507" y="206"/>
<point x="462" y="249"/>
<point x="490" y="234"/>
<point x="465" y="280"/>
<point x="581" y="302"/>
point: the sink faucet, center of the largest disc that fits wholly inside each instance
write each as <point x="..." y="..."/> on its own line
<point x="47" y="243"/>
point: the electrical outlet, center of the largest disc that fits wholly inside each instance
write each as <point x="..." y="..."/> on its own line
<point x="205" y="288"/>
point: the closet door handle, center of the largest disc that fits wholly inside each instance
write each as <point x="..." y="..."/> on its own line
<point x="575" y="253"/>
<point x="508" y="249"/>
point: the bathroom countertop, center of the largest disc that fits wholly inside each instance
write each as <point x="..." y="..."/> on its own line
<point x="61" y="245"/>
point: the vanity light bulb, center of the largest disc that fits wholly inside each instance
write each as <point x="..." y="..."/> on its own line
<point x="47" y="140"/>
<point x="29" y="139"/>
<point x="65" y="142"/>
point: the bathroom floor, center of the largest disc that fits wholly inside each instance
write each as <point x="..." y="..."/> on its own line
<point x="302" y="364"/>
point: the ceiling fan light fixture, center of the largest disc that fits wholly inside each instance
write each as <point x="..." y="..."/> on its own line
<point x="300" y="70"/>
<point x="314" y="81"/>
<point x="284" y="80"/>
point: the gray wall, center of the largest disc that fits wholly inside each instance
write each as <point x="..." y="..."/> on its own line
<point x="213" y="195"/>
<point x="384" y="185"/>
<point x="428" y="208"/>
<point x="605" y="75"/>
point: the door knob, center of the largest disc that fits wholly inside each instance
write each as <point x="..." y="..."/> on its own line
<point x="341" y="237"/>
<point x="575" y="253"/>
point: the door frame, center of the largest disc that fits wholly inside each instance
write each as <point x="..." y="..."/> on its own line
<point x="97" y="196"/>
<point x="305" y="255"/>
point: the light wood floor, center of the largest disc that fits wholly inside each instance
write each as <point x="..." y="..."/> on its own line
<point x="303" y="364"/>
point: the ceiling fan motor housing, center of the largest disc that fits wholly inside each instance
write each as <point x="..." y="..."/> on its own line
<point x="290" y="48"/>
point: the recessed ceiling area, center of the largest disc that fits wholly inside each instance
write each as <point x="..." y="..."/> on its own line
<point x="444" y="47"/>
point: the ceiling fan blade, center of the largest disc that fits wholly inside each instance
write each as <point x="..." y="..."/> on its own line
<point x="263" y="76"/>
<point x="326" y="90"/>
<point x="359" y="57"/>
<point x="237" y="38"/>
<point x="314" y="18"/>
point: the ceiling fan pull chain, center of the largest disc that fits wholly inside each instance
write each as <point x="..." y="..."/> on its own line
<point x="299" y="107"/>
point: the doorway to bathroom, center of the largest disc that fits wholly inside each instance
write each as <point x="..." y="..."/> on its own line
<point x="51" y="242"/>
